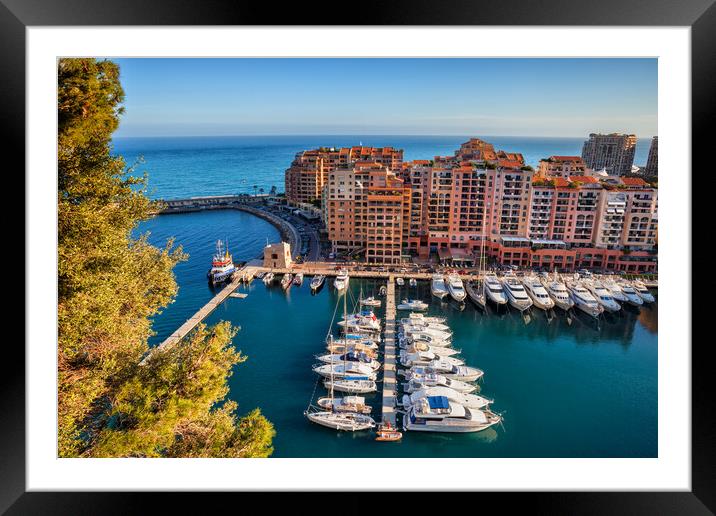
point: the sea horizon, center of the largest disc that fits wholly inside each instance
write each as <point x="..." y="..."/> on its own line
<point x="191" y="166"/>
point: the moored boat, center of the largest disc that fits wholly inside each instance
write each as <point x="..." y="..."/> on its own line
<point x="317" y="281"/>
<point x="494" y="290"/>
<point x="642" y="291"/>
<point x="537" y="293"/>
<point x="583" y="299"/>
<point x="222" y="265"/>
<point x="456" y="288"/>
<point x="438" y="286"/>
<point x="268" y="278"/>
<point x="516" y="294"/>
<point x="412" y="304"/>
<point x="439" y="414"/>
<point x="341" y="281"/>
<point x="476" y="293"/>
<point x="286" y="281"/>
<point x="298" y="279"/>
<point x="345" y="404"/>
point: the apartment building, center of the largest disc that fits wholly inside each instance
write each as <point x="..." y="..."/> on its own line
<point x="613" y="152"/>
<point x="368" y="212"/>
<point x="562" y="166"/>
<point x="305" y="178"/>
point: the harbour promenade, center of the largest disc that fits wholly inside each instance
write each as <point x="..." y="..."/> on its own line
<point x="390" y="385"/>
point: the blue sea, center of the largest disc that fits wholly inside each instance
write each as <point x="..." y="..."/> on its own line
<point x="181" y="167"/>
<point x="566" y="387"/>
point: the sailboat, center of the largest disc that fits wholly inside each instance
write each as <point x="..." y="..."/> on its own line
<point x="348" y="421"/>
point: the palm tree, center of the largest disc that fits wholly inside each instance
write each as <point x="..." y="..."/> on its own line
<point x="255" y="187"/>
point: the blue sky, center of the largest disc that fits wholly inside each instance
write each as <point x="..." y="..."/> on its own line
<point x="511" y="97"/>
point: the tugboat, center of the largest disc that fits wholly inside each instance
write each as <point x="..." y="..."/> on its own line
<point x="222" y="266"/>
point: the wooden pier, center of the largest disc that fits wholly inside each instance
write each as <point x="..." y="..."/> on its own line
<point x="242" y="275"/>
<point x="390" y="381"/>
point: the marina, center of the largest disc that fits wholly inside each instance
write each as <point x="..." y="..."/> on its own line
<point x="496" y="340"/>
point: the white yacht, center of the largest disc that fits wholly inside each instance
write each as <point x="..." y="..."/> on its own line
<point x="286" y="281"/>
<point x="536" y="291"/>
<point x="439" y="414"/>
<point x="347" y="370"/>
<point x="268" y="278"/>
<point x="633" y="298"/>
<point x="615" y="289"/>
<point x="583" y="299"/>
<point x="413" y="282"/>
<point x="351" y="356"/>
<point x="400" y="281"/>
<point x="412" y="304"/>
<point x="466" y="400"/>
<point x="419" y="346"/>
<point x="351" y="386"/>
<point x="424" y="318"/>
<point x="345" y="404"/>
<point x="418" y="323"/>
<point x="603" y="296"/>
<point x="438" y="287"/>
<point x="341" y="281"/>
<point x="370" y="301"/>
<point x="409" y="330"/>
<point x="417" y="382"/>
<point x="558" y="292"/>
<point x="425" y="358"/>
<point x="450" y="371"/>
<point x="642" y="291"/>
<point x="424" y="338"/>
<point x="516" y="293"/>
<point x="317" y="281"/>
<point x="456" y="288"/>
<point x="494" y="290"/>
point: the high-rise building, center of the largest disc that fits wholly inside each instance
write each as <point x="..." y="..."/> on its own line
<point x="368" y="212"/>
<point x="306" y="176"/>
<point x="612" y="152"/>
<point x="652" y="162"/>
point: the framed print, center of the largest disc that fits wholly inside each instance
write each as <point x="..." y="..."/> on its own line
<point x="263" y="247"/>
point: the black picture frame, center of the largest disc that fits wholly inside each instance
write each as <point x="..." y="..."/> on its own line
<point x="700" y="15"/>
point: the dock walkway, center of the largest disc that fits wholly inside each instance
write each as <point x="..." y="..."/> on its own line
<point x="390" y="384"/>
<point x="243" y="274"/>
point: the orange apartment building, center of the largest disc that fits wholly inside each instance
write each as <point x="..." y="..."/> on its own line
<point x="305" y="178"/>
<point x="562" y="166"/>
<point x="368" y="212"/>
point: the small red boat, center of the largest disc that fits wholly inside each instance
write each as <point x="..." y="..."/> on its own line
<point x="388" y="433"/>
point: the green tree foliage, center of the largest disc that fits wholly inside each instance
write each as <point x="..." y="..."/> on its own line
<point x="109" y="285"/>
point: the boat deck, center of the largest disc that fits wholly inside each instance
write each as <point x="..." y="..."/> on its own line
<point x="390" y="382"/>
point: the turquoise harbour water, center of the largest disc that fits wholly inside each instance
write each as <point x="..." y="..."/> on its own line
<point x="566" y="390"/>
<point x="222" y="165"/>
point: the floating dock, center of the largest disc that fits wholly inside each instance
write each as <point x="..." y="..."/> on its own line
<point x="390" y="382"/>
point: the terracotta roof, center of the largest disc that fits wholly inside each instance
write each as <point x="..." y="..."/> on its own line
<point x="560" y="182"/>
<point x="583" y="179"/>
<point x="634" y="181"/>
<point x="506" y="163"/>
